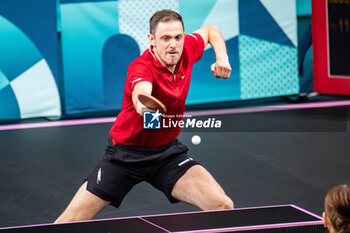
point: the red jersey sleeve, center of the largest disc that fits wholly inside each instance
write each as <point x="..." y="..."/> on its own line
<point x="137" y="72"/>
<point x="197" y="43"/>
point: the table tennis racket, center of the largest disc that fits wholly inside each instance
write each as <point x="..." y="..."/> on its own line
<point x="151" y="102"/>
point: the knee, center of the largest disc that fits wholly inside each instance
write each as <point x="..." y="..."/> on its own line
<point x="227" y="204"/>
<point x="67" y="217"/>
<point x="221" y="204"/>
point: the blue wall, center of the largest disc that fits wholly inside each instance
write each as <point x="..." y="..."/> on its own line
<point x="29" y="80"/>
<point x="98" y="39"/>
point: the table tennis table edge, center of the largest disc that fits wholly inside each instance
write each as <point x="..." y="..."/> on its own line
<point x="142" y="217"/>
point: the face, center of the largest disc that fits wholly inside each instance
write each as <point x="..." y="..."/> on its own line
<point x="167" y="42"/>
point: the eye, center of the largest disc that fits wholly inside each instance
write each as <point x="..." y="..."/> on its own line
<point x="178" y="37"/>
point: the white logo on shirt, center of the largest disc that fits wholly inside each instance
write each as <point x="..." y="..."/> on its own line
<point x="193" y="36"/>
<point x="136" y="80"/>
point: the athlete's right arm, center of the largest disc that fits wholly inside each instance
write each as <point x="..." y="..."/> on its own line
<point x="141" y="87"/>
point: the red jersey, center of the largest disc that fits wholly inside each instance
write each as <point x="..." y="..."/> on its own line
<point x="170" y="88"/>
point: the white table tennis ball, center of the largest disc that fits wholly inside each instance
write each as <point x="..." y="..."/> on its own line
<point x="196" y="140"/>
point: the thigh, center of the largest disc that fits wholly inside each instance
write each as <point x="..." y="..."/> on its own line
<point x="198" y="187"/>
<point x="167" y="172"/>
<point x="84" y="206"/>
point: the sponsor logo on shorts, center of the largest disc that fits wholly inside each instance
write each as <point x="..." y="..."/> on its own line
<point x="184" y="162"/>
<point x="99" y="175"/>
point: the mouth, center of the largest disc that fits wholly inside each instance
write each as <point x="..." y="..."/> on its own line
<point x="172" y="53"/>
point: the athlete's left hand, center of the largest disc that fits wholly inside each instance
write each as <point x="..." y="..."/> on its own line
<point x="221" y="68"/>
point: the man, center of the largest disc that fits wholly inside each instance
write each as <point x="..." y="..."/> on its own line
<point x="156" y="156"/>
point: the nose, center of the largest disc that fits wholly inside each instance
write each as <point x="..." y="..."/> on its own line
<point x="173" y="43"/>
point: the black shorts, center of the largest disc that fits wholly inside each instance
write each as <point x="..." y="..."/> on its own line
<point x="122" y="167"/>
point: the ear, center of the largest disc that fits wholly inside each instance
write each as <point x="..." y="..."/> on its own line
<point x="151" y="39"/>
<point x="325" y="219"/>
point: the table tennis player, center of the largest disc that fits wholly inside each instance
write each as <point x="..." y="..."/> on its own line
<point x="135" y="154"/>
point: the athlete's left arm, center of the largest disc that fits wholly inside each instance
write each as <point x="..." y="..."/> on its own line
<point x="211" y="34"/>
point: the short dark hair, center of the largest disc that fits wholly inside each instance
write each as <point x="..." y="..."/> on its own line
<point x="164" y="16"/>
<point x="337" y="207"/>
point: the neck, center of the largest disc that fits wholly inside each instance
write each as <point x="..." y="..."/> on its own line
<point x="171" y="68"/>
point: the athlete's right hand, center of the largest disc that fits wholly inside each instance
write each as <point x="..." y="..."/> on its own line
<point x="141" y="87"/>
